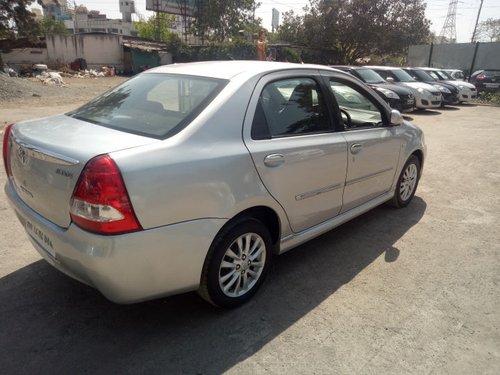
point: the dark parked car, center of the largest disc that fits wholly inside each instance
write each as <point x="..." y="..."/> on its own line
<point x="486" y="80"/>
<point x="449" y="92"/>
<point x="398" y="97"/>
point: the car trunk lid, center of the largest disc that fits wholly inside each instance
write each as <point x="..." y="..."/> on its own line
<point x="47" y="156"/>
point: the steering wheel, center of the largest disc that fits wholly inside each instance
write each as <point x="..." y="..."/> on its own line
<point x="346" y="117"/>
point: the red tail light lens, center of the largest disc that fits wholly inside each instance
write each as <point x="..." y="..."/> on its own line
<point x="100" y="202"/>
<point x="6" y="161"/>
<point x="481" y="77"/>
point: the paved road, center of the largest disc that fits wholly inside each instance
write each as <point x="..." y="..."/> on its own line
<point x="412" y="291"/>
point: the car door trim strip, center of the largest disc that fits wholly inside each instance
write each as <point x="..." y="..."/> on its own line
<point x="371" y="175"/>
<point x="317" y="192"/>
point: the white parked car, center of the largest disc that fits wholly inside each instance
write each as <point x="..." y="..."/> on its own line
<point x="467" y="91"/>
<point x="426" y="96"/>
<point x="456" y="74"/>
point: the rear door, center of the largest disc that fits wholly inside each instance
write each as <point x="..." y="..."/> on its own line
<point x="300" y="159"/>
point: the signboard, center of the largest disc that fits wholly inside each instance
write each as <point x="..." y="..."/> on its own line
<point x="171" y="6"/>
<point x="276" y="19"/>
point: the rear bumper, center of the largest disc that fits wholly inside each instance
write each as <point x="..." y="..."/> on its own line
<point x="126" y="268"/>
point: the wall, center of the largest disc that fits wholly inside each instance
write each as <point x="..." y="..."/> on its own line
<point x="458" y="56"/>
<point x="97" y="49"/>
<point x="20" y="56"/>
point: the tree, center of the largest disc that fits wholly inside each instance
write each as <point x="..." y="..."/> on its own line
<point x="217" y="20"/>
<point x="16" y="19"/>
<point x="489" y="30"/>
<point x="156" y="27"/>
<point x="51" y="26"/>
<point x="346" y="30"/>
<point x="148" y="30"/>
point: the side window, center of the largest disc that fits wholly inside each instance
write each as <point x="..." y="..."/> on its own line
<point x="290" y="107"/>
<point x="356" y="107"/>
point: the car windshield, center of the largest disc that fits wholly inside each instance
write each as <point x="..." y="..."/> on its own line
<point x="369" y="76"/>
<point x="402" y="76"/>
<point x="443" y="75"/>
<point x="151" y="104"/>
<point x="422" y="75"/>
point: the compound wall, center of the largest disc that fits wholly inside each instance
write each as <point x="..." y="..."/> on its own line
<point x="456" y="56"/>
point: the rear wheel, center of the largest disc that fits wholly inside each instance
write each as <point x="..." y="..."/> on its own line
<point x="236" y="264"/>
<point x="407" y="183"/>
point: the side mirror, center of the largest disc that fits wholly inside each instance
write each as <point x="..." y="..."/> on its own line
<point x="396" y="117"/>
<point x="390" y="79"/>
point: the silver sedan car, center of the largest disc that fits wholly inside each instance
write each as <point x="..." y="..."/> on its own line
<point x="192" y="176"/>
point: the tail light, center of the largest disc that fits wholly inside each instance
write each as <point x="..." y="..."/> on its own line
<point x="481" y="77"/>
<point x="6" y="154"/>
<point x="100" y="201"/>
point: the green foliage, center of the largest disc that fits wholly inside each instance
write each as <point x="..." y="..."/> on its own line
<point x="50" y="26"/>
<point x="236" y="50"/>
<point x="345" y="31"/>
<point x="16" y="19"/>
<point x="218" y="20"/>
<point x="489" y="97"/>
<point x="148" y="29"/>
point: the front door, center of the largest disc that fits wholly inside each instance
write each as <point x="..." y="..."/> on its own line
<point x="373" y="147"/>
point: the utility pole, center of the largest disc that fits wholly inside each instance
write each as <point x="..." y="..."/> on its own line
<point x="477" y="21"/>
<point x="157" y="20"/>
<point x="449" y="30"/>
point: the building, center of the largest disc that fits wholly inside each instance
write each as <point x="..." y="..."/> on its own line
<point x="81" y="20"/>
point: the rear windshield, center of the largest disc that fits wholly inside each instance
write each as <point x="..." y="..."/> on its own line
<point x="152" y="104"/>
<point x="491" y="73"/>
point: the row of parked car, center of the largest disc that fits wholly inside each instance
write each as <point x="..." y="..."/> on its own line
<point x="406" y="89"/>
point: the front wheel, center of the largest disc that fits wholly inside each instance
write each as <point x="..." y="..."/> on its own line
<point x="236" y="264"/>
<point x="407" y="183"/>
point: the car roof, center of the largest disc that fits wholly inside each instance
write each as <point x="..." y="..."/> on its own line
<point x="231" y="69"/>
<point x="383" y="67"/>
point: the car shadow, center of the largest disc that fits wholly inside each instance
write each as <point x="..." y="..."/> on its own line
<point x="464" y="104"/>
<point x="449" y="108"/>
<point x="51" y="324"/>
<point x="426" y="112"/>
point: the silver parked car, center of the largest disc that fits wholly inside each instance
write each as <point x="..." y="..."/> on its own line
<point x="191" y="176"/>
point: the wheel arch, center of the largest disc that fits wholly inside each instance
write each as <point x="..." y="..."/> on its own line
<point x="266" y="216"/>
<point x="420" y="156"/>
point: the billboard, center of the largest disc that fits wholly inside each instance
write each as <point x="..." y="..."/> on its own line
<point x="171" y="6"/>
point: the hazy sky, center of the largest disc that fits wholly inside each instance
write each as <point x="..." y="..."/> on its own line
<point x="436" y="12"/>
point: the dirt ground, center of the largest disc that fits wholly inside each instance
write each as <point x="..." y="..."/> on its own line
<point x="410" y="291"/>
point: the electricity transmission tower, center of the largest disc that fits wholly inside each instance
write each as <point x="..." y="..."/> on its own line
<point x="449" y="30"/>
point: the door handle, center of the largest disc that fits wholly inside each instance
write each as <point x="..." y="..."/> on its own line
<point x="274" y="160"/>
<point x="355" y="148"/>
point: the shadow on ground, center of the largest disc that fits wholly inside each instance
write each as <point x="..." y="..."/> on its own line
<point x="426" y="112"/>
<point x="51" y="324"/>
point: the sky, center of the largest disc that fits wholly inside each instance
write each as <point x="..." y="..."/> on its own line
<point x="436" y="12"/>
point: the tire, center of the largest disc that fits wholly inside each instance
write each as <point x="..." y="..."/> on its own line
<point x="236" y="264"/>
<point x="407" y="183"/>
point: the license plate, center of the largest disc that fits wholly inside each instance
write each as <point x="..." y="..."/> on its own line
<point x="43" y="240"/>
<point x="492" y="85"/>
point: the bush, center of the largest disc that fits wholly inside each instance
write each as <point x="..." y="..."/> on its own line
<point x="236" y="50"/>
<point x="489" y="97"/>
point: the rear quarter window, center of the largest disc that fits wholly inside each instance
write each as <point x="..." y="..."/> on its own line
<point x="153" y="104"/>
